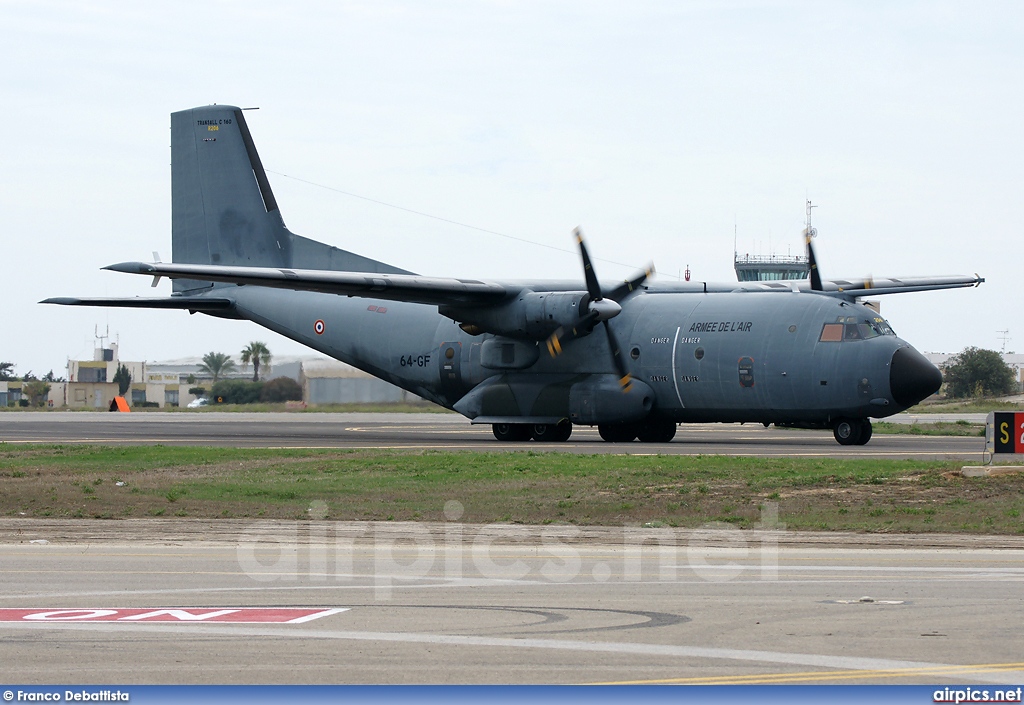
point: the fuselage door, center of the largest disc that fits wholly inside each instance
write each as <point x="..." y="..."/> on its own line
<point x="450" y="361"/>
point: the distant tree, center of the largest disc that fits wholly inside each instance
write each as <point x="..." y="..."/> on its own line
<point x="257" y="353"/>
<point x="236" y="391"/>
<point x="123" y="378"/>
<point x="36" y="391"/>
<point x="216" y="364"/>
<point x="49" y="377"/>
<point x="197" y="391"/>
<point x="7" y="372"/>
<point x="281" y="389"/>
<point x="977" y="372"/>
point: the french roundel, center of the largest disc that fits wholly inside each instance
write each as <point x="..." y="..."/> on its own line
<point x="319" y="327"/>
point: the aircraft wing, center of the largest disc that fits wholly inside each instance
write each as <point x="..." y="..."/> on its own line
<point x="190" y="303"/>
<point x="393" y="287"/>
<point x="892" y="285"/>
<point x="858" y="288"/>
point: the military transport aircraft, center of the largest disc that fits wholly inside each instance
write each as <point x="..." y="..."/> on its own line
<point x="532" y="358"/>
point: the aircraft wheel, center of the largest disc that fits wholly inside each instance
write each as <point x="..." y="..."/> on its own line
<point x="657" y="431"/>
<point x="551" y="433"/>
<point x="617" y="432"/>
<point x="847" y="431"/>
<point x="513" y="432"/>
<point x="865" y="432"/>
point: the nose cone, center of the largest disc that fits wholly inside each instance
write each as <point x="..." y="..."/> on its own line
<point x="912" y="378"/>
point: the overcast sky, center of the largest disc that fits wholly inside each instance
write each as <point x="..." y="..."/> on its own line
<point x="656" y="127"/>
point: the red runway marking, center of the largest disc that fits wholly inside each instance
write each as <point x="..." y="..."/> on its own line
<point x="246" y="615"/>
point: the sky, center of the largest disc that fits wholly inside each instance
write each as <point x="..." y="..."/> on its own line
<point x="660" y="128"/>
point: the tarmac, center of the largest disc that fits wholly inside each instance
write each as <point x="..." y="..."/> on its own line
<point x="131" y="602"/>
<point x="182" y="601"/>
<point x="448" y="432"/>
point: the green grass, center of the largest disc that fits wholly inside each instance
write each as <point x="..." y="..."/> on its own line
<point x="965" y="406"/>
<point x="526" y="487"/>
<point x="942" y="428"/>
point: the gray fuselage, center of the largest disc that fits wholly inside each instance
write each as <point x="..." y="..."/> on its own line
<point x="742" y="356"/>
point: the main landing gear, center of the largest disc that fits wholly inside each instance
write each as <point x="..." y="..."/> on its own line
<point x="541" y="432"/>
<point x="647" y="431"/>
<point x="852" y="432"/>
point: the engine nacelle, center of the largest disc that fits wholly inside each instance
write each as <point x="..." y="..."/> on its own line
<point x="531" y="315"/>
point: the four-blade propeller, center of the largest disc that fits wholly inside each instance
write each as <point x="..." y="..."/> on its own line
<point x="812" y="264"/>
<point x="598" y="309"/>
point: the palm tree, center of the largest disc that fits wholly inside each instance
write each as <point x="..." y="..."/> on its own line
<point x="216" y="364"/>
<point x="259" y="354"/>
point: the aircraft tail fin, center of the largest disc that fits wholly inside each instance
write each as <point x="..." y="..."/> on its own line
<point x="223" y="210"/>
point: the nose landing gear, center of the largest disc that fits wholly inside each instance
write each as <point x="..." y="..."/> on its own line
<point x="852" y="432"/>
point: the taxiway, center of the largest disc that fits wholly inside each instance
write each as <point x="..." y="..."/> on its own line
<point x="446" y="431"/>
<point x="453" y="603"/>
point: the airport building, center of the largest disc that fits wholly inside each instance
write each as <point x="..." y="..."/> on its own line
<point x="10" y="393"/>
<point x="166" y="383"/>
<point x="326" y="381"/>
<point x="91" y="383"/>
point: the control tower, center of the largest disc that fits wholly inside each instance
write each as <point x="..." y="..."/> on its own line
<point x="771" y="268"/>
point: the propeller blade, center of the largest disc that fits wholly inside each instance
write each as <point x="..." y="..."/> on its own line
<point x="599" y="309"/>
<point x="812" y="264"/>
<point x="630" y="285"/>
<point x="554" y="344"/>
<point x="620" y="364"/>
<point x="582" y="327"/>
<point x="593" y="288"/>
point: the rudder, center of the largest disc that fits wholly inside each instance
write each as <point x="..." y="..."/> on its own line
<point x="223" y="210"/>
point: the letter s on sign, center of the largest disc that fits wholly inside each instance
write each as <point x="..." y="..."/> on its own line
<point x="1004" y="433"/>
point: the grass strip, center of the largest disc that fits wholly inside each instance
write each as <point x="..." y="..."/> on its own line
<point x="112" y="482"/>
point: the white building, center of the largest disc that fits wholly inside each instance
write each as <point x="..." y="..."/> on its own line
<point x="327" y="381"/>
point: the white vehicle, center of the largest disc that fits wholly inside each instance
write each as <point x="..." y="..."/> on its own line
<point x="197" y="403"/>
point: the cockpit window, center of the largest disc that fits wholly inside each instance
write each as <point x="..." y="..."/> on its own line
<point x="831" y="333"/>
<point x="850" y="328"/>
<point x="879" y="324"/>
<point x="866" y="331"/>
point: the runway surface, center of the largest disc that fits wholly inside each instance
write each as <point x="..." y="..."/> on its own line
<point x="139" y="601"/>
<point x="446" y="431"/>
<point x="452" y="603"/>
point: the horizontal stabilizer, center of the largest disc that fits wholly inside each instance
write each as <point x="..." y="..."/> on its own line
<point x="189" y="303"/>
<point x="393" y="287"/>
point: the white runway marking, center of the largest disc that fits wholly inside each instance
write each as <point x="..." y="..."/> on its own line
<point x="625" y="648"/>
